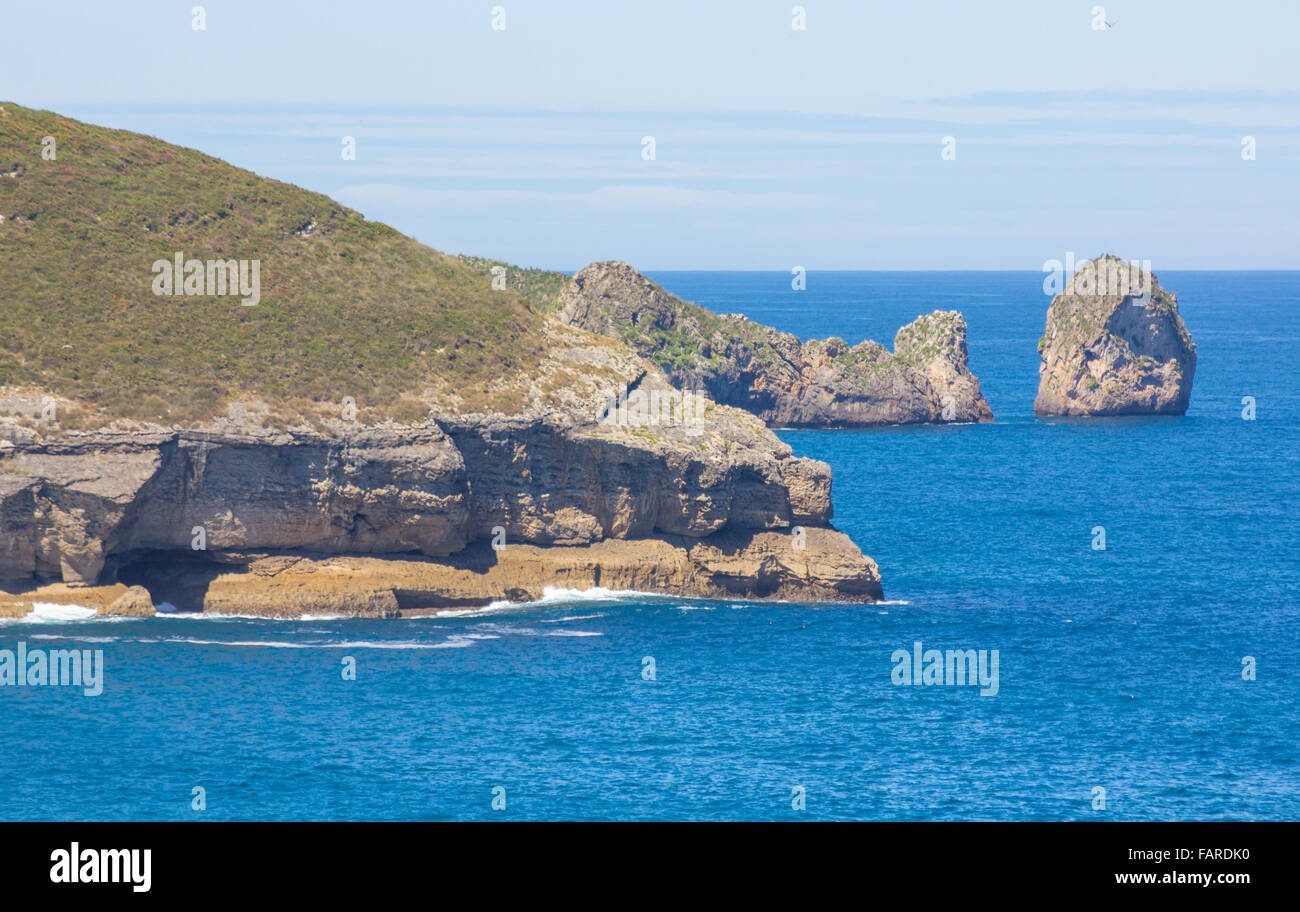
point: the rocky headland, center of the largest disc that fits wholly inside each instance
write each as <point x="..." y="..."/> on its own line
<point x="786" y="382"/>
<point x="383" y="433"/>
<point x="1115" y="344"/>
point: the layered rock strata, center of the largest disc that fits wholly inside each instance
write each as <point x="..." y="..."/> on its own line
<point x="710" y="504"/>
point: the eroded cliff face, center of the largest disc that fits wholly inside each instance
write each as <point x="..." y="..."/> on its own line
<point x="705" y="504"/>
<point x="787" y="383"/>
<point x="726" y="564"/>
<point x="1115" y="344"/>
<point x="68" y="505"/>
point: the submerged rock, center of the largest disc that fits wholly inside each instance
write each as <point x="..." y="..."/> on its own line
<point x="1114" y="345"/>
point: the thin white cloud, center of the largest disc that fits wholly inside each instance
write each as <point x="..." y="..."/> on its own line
<point x="621" y="198"/>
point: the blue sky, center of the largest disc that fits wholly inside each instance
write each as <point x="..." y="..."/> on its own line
<point x="774" y="147"/>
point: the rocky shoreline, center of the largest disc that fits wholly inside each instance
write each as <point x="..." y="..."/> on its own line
<point x="761" y="565"/>
<point x="380" y="521"/>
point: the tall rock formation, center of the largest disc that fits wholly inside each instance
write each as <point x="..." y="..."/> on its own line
<point x="1115" y="344"/>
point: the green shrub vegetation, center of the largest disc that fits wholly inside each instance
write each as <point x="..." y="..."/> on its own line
<point x="349" y="307"/>
<point x="539" y="287"/>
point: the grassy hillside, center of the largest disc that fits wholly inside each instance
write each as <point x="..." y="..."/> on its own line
<point x="348" y="307"/>
<point x="539" y="287"/>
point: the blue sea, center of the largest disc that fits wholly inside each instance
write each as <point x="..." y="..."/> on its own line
<point x="1121" y="690"/>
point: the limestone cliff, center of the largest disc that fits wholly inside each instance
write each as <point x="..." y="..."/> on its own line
<point x="1115" y="344"/>
<point x="787" y="383"/>
<point x="234" y="516"/>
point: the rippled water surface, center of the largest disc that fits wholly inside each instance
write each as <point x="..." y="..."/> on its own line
<point x="1118" y="669"/>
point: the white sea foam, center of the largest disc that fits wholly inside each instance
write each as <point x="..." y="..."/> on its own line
<point x="552" y="596"/>
<point x="461" y="640"/>
<point x="491" y="608"/>
<point x="594" y="594"/>
<point x="280" y="618"/>
<point x="49" y="613"/>
<point x="283" y="644"/>
<point x="219" y="616"/>
<point x="79" y="639"/>
<point x="511" y="630"/>
<point x="33" y="617"/>
<point x="515" y="630"/>
<point x="556" y="595"/>
<point x="453" y="642"/>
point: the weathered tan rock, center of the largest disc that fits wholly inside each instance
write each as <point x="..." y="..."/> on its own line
<point x="115" y="600"/>
<point x="135" y="602"/>
<point x="935" y="344"/>
<point x="59" y="509"/>
<point x="704" y="506"/>
<point x="68" y="503"/>
<point x="820" y="565"/>
<point x="1115" y="344"/>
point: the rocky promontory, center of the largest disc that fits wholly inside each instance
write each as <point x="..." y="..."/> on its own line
<point x="1115" y="344"/>
<point x="786" y="382"/>
<point x="321" y="415"/>
<point x="461" y="510"/>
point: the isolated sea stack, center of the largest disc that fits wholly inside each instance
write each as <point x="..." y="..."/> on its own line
<point x="786" y="382"/>
<point x="234" y="395"/>
<point x="1114" y="345"/>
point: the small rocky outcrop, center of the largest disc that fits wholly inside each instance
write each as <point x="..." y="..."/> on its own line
<point x="1114" y="345"/>
<point x="786" y="382"/>
<point x="113" y="600"/>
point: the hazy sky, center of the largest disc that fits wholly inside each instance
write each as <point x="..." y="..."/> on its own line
<point x="774" y="147"/>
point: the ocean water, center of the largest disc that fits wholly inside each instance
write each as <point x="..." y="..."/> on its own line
<point x="1119" y="669"/>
